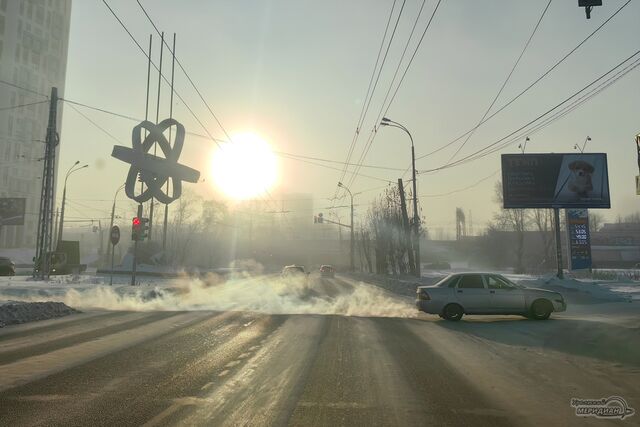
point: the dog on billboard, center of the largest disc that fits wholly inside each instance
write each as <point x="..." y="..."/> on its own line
<point x="580" y="181"/>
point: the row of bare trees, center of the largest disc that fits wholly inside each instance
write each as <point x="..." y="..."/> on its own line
<point x="519" y="221"/>
<point x="390" y="234"/>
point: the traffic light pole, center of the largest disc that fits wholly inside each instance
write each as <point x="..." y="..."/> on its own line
<point x="135" y="252"/>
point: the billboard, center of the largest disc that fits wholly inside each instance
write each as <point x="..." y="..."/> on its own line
<point x="12" y="210"/>
<point x="579" y="239"/>
<point x="570" y="180"/>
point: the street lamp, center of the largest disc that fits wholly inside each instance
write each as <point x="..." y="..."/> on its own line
<point x="584" y="144"/>
<point x="524" y="146"/>
<point x="341" y="185"/>
<point x="416" y="218"/>
<point x="71" y="170"/>
<point x="113" y="211"/>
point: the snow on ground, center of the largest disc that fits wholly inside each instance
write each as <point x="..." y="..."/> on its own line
<point x="14" y="312"/>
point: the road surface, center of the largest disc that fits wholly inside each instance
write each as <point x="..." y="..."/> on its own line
<point x="255" y="369"/>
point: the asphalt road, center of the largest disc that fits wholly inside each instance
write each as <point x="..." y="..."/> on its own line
<point x="255" y="369"/>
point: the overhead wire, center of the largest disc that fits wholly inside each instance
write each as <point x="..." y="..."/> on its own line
<point x="504" y="84"/>
<point x="374" y="130"/>
<point x="14" y="107"/>
<point x="366" y="98"/>
<point x="484" y="151"/>
<point x="23" y="88"/>
<point x="530" y="86"/>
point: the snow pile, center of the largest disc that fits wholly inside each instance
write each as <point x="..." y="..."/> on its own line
<point x="585" y="291"/>
<point x="13" y="312"/>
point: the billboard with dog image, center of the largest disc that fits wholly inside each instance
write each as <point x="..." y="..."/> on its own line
<point x="570" y="180"/>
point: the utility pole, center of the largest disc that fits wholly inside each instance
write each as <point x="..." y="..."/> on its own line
<point x="416" y="217"/>
<point x="406" y="226"/>
<point x="352" y="242"/>
<point x="71" y="170"/>
<point x="45" y="214"/>
<point x="134" y="268"/>
<point x="556" y="220"/>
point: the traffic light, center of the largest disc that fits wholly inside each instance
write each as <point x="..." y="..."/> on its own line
<point x="144" y="228"/>
<point x="135" y="228"/>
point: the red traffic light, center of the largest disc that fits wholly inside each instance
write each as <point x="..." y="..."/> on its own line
<point x="136" y="221"/>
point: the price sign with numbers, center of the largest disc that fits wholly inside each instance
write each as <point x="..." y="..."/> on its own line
<point x="579" y="239"/>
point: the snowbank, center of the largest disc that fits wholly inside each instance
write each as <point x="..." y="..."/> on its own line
<point x="13" y="312"/>
<point x="586" y="291"/>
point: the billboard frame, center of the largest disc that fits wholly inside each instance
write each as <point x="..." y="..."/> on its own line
<point x="553" y="204"/>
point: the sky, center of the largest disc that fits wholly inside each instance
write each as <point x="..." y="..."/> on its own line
<point x="296" y="72"/>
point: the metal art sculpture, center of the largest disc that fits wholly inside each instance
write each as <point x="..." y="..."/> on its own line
<point x="152" y="170"/>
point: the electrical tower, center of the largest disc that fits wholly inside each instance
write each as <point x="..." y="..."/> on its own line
<point x="42" y="259"/>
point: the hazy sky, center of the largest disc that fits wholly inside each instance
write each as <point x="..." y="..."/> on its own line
<point x="296" y="73"/>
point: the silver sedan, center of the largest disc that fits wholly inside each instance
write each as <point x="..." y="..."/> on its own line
<point x="486" y="293"/>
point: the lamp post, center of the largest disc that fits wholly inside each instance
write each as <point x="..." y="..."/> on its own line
<point x="113" y="212"/>
<point x="584" y="144"/>
<point x="341" y="185"/>
<point x="71" y="170"/>
<point x="416" y="218"/>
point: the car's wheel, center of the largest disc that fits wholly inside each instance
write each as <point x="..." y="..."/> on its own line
<point x="541" y="310"/>
<point x="453" y="312"/>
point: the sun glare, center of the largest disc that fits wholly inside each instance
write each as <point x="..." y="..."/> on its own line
<point x="245" y="167"/>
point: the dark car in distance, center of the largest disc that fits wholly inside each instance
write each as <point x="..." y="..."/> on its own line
<point x="7" y="267"/>
<point x="327" y="271"/>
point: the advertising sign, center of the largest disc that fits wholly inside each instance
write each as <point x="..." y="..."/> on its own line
<point x="579" y="239"/>
<point x="12" y="210"/>
<point x="573" y="180"/>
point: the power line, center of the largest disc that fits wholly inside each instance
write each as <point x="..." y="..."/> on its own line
<point x="337" y="169"/>
<point x="475" y="184"/>
<point x="106" y="132"/>
<point x="366" y="98"/>
<point x="297" y="156"/>
<point x="101" y="110"/>
<point x="546" y="73"/>
<point x="367" y="101"/>
<point x="23" y="88"/>
<point x="13" y="107"/>
<point x="375" y="128"/>
<point x="167" y="81"/>
<point x="185" y="73"/>
<point x="479" y="153"/>
<point x="290" y="156"/>
<point x="504" y="84"/>
<point x="395" y="27"/>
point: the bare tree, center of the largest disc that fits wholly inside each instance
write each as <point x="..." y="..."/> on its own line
<point x="515" y="220"/>
<point x="543" y="220"/>
<point x="596" y="220"/>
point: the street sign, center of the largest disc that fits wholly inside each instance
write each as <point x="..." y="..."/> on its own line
<point x="115" y="235"/>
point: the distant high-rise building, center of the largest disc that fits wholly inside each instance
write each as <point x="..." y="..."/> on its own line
<point x="34" y="38"/>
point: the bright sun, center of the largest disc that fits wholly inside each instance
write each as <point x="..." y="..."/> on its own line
<point x="245" y="167"/>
